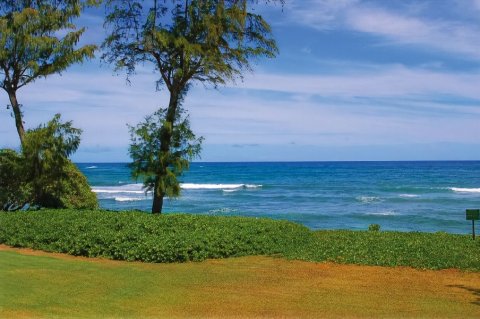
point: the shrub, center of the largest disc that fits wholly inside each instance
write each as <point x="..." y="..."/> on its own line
<point x="14" y="192"/>
<point x="42" y="174"/>
<point x="374" y="227"/>
<point x="147" y="237"/>
<point x="180" y="237"/>
<point x="413" y="249"/>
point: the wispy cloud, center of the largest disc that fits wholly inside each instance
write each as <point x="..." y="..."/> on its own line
<point x="368" y="104"/>
<point x="405" y="25"/>
<point x="383" y="81"/>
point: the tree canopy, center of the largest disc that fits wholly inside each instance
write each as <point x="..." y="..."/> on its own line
<point x="210" y="41"/>
<point x="148" y="159"/>
<point x="187" y="41"/>
<point x="31" y="46"/>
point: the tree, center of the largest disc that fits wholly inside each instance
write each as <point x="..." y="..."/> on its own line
<point x="42" y="174"/>
<point x="148" y="159"/>
<point x="205" y="41"/>
<point x="30" y="45"/>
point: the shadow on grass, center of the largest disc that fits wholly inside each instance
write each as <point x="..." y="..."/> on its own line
<point x="474" y="291"/>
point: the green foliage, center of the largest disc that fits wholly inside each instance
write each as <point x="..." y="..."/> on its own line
<point x="29" y="42"/>
<point x="414" y="249"/>
<point x="148" y="158"/>
<point x="14" y="191"/>
<point x="374" y="227"/>
<point x="71" y="190"/>
<point x="31" y="46"/>
<point x="209" y="41"/>
<point x="42" y="174"/>
<point x="147" y="237"/>
<point x="182" y="237"/>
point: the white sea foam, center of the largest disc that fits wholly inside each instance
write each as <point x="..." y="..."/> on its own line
<point x="137" y="188"/>
<point x="385" y="213"/>
<point x="222" y="210"/>
<point x="218" y="186"/>
<point x="128" y="199"/>
<point x="408" y="195"/>
<point x="210" y="186"/>
<point x="91" y="167"/>
<point x="123" y="189"/>
<point x="231" y="190"/>
<point x="465" y="190"/>
<point x="368" y="199"/>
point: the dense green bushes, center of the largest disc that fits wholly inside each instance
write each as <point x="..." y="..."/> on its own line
<point x="414" y="249"/>
<point x="41" y="174"/>
<point x="146" y="237"/>
<point x="182" y="237"/>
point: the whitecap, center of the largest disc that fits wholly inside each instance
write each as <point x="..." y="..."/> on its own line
<point x="408" y="195"/>
<point x="368" y="199"/>
<point x="230" y="190"/>
<point x="465" y="190"/>
<point x="210" y="186"/>
<point x="222" y="210"/>
<point x="128" y="189"/>
<point x="91" y="167"/>
<point x="384" y="213"/>
<point x="217" y="186"/>
<point x="127" y="199"/>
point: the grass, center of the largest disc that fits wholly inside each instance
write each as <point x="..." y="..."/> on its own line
<point x="47" y="286"/>
<point x="182" y="237"/>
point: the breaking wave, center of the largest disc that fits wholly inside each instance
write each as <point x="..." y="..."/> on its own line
<point x="368" y="199"/>
<point x="465" y="190"/>
<point x="218" y="186"/>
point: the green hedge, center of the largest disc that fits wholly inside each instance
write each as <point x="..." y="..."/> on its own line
<point x="182" y="237"/>
<point x="413" y="249"/>
<point x="145" y="237"/>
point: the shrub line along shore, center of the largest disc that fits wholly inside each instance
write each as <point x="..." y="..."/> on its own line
<point x="136" y="236"/>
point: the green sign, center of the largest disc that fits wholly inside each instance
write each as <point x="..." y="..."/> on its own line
<point x="473" y="214"/>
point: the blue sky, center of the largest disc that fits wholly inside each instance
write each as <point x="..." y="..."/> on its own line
<point x="354" y="80"/>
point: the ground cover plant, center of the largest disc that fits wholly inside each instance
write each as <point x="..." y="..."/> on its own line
<point x="413" y="249"/>
<point x="146" y="237"/>
<point x="183" y="237"/>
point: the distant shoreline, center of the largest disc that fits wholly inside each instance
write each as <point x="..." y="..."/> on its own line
<point x="296" y="162"/>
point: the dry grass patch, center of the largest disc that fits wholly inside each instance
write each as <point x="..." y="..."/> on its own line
<point x="44" y="285"/>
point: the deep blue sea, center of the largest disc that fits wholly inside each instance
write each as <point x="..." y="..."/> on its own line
<point x="404" y="196"/>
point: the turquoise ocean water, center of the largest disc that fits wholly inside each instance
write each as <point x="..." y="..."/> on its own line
<point x="405" y="196"/>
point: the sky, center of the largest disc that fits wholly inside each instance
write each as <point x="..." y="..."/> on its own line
<point x="354" y="80"/>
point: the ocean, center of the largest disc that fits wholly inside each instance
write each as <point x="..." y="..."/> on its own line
<point x="400" y="196"/>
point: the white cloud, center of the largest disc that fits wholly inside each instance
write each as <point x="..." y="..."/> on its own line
<point x="389" y="81"/>
<point x="476" y="4"/>
<point x="407" y="26"/>
<point x="320" y="14"/>
<point x="369" y="105"/>
<point x="448" y="36"/>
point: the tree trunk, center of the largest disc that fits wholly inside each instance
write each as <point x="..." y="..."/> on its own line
<point x="17" y="114"/>
<point x="157" y="200"/>
<point x="165" y="139"/>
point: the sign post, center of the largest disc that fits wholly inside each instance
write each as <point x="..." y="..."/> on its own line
<point x="473" y="215"/>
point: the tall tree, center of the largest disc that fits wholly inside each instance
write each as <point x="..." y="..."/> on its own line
<point x="31" y="47"/>
<point x="187" y="41"/>
<point x="147" y="160"/>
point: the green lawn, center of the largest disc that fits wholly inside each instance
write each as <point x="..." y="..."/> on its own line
<point x="48" y="286"/>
